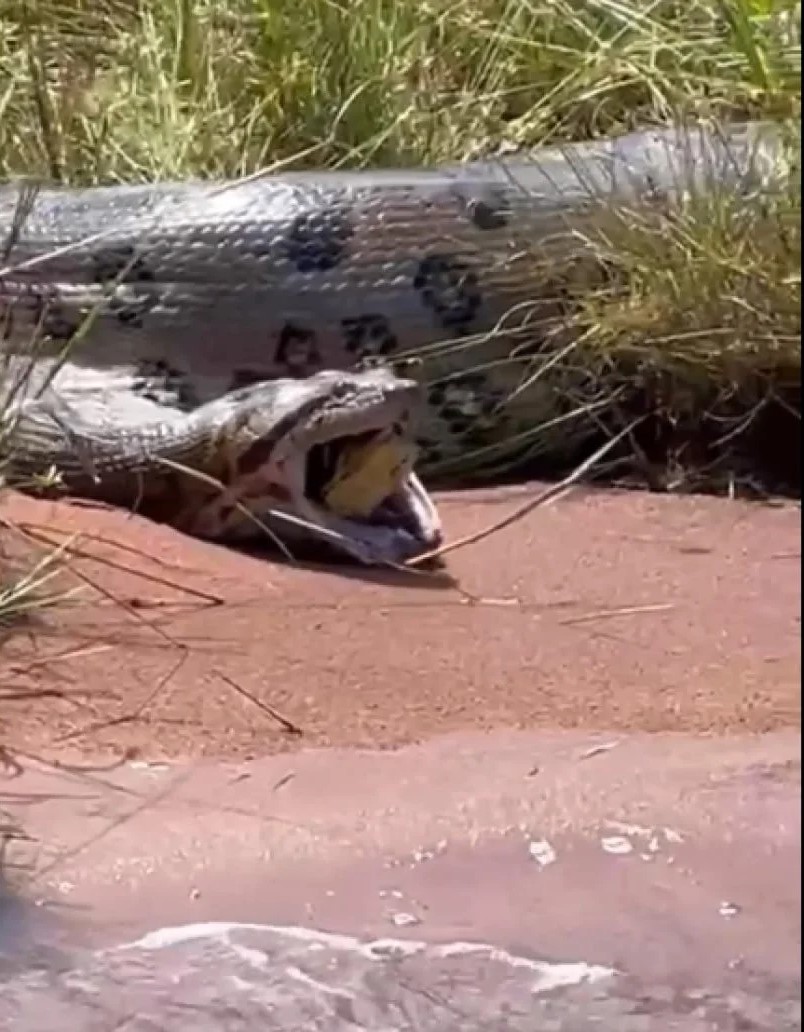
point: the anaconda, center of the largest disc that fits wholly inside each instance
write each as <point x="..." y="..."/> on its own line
<point x="178" y="294"/>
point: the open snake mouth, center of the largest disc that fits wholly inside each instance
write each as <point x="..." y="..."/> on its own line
<point x="363" y="488"/>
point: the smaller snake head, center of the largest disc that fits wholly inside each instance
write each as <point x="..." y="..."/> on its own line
<point x="332" y="457"/>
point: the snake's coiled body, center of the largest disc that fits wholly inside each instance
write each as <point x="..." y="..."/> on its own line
<point x="196" y="289"/>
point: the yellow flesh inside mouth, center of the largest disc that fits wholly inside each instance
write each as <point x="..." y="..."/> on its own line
<point x="366" y="474"/>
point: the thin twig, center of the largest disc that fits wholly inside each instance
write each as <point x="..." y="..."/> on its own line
<point x="18" y="694"/>
<point x="207" y="478"/>
<point x="82" y="768"/>
<point x="40" y="535"/>
<point x="58" y="657"/>
<point x="287" y="725"/>
<point x="548" y="495"/>
<point x="607" y="614"/>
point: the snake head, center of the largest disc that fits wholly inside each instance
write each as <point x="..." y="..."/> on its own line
<point x="331" y="458"/>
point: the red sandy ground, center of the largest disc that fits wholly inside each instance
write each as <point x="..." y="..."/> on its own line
<point x="623" y="611"/>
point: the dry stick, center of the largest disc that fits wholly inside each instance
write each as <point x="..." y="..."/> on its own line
<point x="101" y="539"/>
<point x="35" y="798"/>
<point x="58" y="657"/>
<point x="607" y="614"/>
<point x="83" y="772"/>
<point x="83" y="768"/>
<point x="184" y="652"/>
<point x="287" y="725"/>
<point x="18" y="694"/>
<point x="139" y="618"/>
<point x="39" y="534"/>
<point x="548" y="495"/>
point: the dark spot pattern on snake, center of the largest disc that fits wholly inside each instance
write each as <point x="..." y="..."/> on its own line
<point x="40" y="311"/>
<point x="368" y="336"/>
<point x="131" y="312"/>
<point x="430" y="450"/>
<point x="120" y="264"/>
<point x="449" y="287"/>
<point x="297" y="350"/>
<point x="465" y="403"/>
<point x="163" y="384"/>
<point x="317" y="240"/>
<point x="486" y="214"/>
<point x="53" y="321"/>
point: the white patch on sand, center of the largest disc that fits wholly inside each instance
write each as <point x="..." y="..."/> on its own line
<point x="648" y="840"/>
<point x="542" y="852"/>
<point x="617" y="845"/>
<point x="548" y="975"/>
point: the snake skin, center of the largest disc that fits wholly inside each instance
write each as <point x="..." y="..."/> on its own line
<point x="239" y="467"/>
<point x="204" y="288"/>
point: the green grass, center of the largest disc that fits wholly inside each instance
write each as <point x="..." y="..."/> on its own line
<point x="95" y="91"/>
<point x="699" y="324"/>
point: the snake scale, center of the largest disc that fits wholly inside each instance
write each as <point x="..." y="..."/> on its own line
<point x="191" y="303"/>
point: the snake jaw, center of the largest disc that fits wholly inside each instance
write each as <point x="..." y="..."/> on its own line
<point x="404" y="524"/>
<point x="355" y="478"/>
<point x="343" y="472"/>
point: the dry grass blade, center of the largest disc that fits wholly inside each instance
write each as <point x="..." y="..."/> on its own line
<point x="287" y="725"/>
<point x="549" y="494"/>
<point x="41" y="534"/>
<point x="28" y="591"/>
<point x="213" y="482"/>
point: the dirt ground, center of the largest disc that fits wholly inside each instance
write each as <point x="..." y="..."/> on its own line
<point x="612" y="611"/>
<point x="606" y="695"/>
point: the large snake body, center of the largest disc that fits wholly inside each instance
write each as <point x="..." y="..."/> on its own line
<point x="182" y="293"/>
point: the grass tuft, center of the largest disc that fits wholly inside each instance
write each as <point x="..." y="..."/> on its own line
<point x="103" y="90"/>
